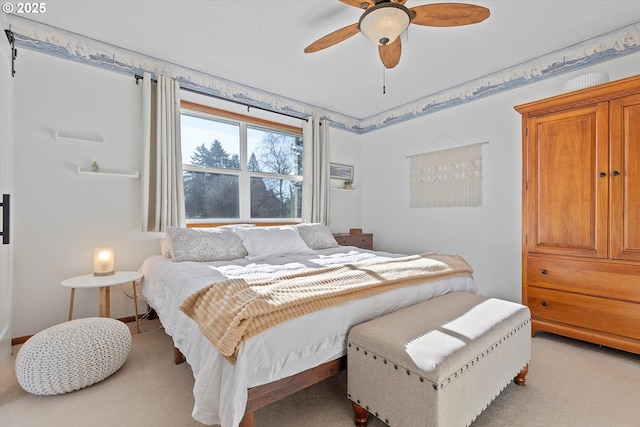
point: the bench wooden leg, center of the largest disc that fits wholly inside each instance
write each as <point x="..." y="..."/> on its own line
<point x="360" y="415"/>
<point x="520" y="378"/>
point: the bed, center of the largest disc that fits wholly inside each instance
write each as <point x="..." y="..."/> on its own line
<point x="288" y="356"/>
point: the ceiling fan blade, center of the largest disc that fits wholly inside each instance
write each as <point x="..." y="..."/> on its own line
<point x="360" y="4"/>
<point x="333" y="38"/>
<point x="390" y="53"/>
<point x="399" y="1"/>
<point x="448" y="14"/>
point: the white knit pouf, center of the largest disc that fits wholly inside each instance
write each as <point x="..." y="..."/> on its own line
<point x="72" y="355"/>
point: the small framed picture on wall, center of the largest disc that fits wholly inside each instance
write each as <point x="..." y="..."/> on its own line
<point x="338" y="171"/>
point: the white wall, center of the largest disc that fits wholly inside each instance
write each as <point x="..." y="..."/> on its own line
<point x="59" y="215"/>
<point x="489" y="237"/>
<point x="345" y="204"/>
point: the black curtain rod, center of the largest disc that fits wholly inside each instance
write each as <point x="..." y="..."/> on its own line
<point x="139" y="77"/>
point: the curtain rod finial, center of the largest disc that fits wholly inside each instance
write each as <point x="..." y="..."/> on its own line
<point x="14" y="51"/>
<point x="10" y="36"/>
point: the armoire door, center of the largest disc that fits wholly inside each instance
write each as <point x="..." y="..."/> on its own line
<point x="567" y="182"/>
<point x="625" y="178"/>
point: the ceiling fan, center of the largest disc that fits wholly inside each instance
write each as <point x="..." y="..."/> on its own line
<point x="383" y="21"/>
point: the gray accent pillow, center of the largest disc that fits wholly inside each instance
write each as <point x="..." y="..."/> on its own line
<point x="191" y="244"/>
<point x="317" y="235"/>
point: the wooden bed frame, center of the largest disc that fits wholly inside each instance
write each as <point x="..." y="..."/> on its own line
<point x="266" y="394"/>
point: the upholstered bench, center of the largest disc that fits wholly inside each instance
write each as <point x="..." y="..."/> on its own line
<point x="437" y="363"/>
<point x="72" y="355"/>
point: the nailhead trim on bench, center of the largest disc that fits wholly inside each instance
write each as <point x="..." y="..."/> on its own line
<point x="460" y="371"/>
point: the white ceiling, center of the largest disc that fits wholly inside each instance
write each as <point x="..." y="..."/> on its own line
<point x="260" y="43"/>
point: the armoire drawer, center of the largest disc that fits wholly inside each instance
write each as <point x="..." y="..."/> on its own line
<point x="592" y="277"/>
<point x="600" y="314"/>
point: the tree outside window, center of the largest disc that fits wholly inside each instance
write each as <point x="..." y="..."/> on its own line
<point x="217" y="180"/>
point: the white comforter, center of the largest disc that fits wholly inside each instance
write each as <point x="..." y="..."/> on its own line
<point x="220" y="389"/>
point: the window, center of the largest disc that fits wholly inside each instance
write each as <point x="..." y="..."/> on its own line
<point x="236" y="167"/>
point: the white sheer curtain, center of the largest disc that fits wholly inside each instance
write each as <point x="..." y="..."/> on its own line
<point x="315" y="195"/>
<point x="162" y="185"/>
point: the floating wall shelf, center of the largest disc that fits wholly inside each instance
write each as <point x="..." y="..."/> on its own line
<point x="135" y="174"/>
<point x="60" y="137"/>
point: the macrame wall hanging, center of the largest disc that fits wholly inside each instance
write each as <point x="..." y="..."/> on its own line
<point x="447" y="178"/>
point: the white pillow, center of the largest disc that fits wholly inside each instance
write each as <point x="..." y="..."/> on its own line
<point x="317" y="235"/>
<point x="236" y="226"/>
<point x="188" y="244"/>
<point x="264" y="242"/>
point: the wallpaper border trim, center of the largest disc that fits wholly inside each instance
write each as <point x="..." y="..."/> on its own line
<point x="61" y="43"/>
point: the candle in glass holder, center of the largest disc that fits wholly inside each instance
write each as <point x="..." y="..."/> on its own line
<point x="103" y="262"/>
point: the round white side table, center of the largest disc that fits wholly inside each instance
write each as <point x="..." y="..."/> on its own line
<point x="104" y="283"/>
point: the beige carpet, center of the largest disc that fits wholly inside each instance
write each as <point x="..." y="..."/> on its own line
<point x="570" y="383"/>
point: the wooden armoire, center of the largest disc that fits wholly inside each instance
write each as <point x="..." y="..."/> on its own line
<point x="581" y="213"/>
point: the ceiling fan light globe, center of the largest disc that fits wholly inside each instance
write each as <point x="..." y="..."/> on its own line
<point x="383" y="23"/>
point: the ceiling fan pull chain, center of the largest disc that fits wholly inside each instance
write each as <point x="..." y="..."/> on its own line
<point x="384" y="80"/>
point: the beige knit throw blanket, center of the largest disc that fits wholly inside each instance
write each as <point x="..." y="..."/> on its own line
<point x="234" y="310"/>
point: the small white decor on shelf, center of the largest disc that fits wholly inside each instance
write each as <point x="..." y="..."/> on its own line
<point x="72" y="355"/>
<point x="584" y="81"/>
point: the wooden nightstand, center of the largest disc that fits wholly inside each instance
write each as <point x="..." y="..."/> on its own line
<point x="363" y="241"/>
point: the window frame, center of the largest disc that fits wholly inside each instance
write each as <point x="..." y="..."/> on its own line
<point x="244" y="175"/>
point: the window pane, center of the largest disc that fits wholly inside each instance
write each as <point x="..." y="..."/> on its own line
<point x="274" y="152"/>
<point x="211" y="195"/>
<point x="275" y="198"/>
<point x="209" y="142"/>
